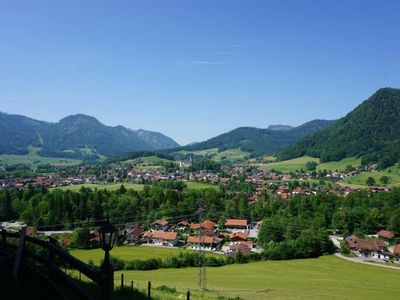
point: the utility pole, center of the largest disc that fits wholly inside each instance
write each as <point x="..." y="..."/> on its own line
<point x="202" y="256"/>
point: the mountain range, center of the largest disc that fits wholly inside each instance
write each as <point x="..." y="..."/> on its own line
<point x="75" y="136"/>
<point x="259" y="141"/>
<point x="371" y="131"/>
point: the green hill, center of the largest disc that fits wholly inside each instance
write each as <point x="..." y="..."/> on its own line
<point x="370" y="131"/>
<point x="76" y="136"/>
<point x="258" y="141"/>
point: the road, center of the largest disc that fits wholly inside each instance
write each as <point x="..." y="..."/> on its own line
<point x="336" y="242"/>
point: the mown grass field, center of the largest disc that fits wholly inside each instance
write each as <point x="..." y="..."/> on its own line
<point x="34" y="159"/>
<point x="135" y="186"/>
<point x="300" y="163"/>
<point x="326" y="277"/>
<point x="289" y="165"/>
<point x="127" y="253"/>
<point x="360" y="179"/>
<point x="340" y="165"/>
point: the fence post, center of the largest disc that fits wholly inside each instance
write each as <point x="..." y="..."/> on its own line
<point x="132" y="286"/>
<point x="122" y="281"/>
<point x="53" y="242"/>
<point x="19" y="253"/>
<point x="149" y="290"/>
<point x="188" y="295"/>
<point x="107" y="283"/>
<point x="4" y="237"/>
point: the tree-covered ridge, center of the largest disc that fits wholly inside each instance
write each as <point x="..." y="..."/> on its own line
<point x="371" y="130"/>
<point x="75" y="136"/>
<point x="259" y="141"/>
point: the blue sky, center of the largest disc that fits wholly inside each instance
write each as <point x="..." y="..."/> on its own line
<point x="195" y="69"/>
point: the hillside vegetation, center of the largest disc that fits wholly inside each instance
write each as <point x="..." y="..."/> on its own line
<point x="370" y="131"/>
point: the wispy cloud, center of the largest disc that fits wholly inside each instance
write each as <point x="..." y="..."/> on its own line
<point x="234" y="46"/>
<point x="222" y="52"/>
<point x="207" y="62"/>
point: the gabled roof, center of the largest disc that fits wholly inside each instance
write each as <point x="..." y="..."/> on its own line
<point x="197" y="240"/>
<point x="183" y="223"/>
<point x="208" y="224"/>
<point x="195" y="226"/>
<point x="386" y="234"/>
<point x="238" y="236"/>
<point x="236" y="222"/>
<point x="161" y="222"/>
<point x="366" y="244"/>
<point x="396" y="249"/>
<point x="164" y="235"/>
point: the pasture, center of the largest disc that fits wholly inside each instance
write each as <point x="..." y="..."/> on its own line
<point x="359" y="180"/>
<point x="33" y="159"/>
<point x="135" y="186"/>
<point x="326" y="277"/>
<point x="127" y="253"/>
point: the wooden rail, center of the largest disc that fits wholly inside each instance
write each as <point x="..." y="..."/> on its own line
<point x="56" y="276"/>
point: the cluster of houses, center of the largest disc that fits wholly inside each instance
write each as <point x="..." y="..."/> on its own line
<point x="47" y="181"/>
<point x="378" y="247"/>
<point x="138" y="175"/>
<point x="207" y="235"/>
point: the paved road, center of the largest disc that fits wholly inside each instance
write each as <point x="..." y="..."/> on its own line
<point x="336" y="240"/>
<point x="360" y="261"/>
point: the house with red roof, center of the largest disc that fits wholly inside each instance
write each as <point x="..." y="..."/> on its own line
<point x="160" y="225"/>
<point x="236" y="225"/>
<point x="386" y="235"/>
<point x="161" y="238"/>
<point x="209" y="227"/>
<point x="243" y="248"/>
<point x="368" y="248"/>
<point x="205" y="242"/>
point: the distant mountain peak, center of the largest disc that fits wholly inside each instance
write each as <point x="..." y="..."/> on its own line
<point x="79" y="117"/>
<point x="76" y="133"/>
<point x="279" y="127"/>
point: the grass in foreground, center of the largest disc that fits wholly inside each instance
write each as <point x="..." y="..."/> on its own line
<point x="326" y="277"/>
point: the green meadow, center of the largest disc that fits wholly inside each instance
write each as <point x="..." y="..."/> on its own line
<point x="33" y="159"/>
<point x="326" y="277"/>
<point x="127" y="253"/>
<point x="360" y="180"/>
<point x="292" y="165"/>
<point x="134" y="186"/>
<point x="289" y="165"/>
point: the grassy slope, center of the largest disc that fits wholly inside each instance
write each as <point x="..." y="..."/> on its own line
<point x="126" y="253"/>
<point x="289" y="165"/>
<point x="323" y="278"/>
<point x="34" y="159"/>
<point x="360" y="179"/>
<point x="231" y="155"/>
<point x="300" y="163"/>
<point x="340" y="165"/>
